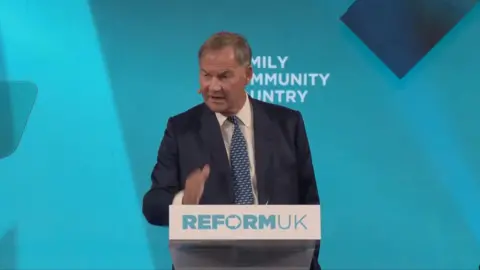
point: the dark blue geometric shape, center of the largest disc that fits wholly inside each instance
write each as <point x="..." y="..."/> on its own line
<point x="402" y="32"/>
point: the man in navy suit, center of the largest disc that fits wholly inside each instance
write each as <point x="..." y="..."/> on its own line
<point x="231" y="149"/>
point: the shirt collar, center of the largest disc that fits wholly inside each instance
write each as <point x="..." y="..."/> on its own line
<point x="244" y="115"/>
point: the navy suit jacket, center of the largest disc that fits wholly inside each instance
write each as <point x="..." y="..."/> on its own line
<point x="283" y="163"/>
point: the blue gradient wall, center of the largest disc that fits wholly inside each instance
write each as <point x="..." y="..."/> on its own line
<point x="394" y="132"/>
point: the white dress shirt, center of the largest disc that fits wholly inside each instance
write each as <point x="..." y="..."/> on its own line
<point x="245" y="115"/>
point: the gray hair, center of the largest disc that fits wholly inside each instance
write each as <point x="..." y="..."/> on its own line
<point x="221" y="40"/>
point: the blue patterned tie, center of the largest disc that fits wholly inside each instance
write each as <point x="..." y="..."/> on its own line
<point x="240" y="165"/>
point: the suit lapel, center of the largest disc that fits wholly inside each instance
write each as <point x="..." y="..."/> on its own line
<point x="263" y="143"/>
<point x="220" y="181"/>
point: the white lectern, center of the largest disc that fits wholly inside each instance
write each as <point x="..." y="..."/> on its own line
<point x="234" y="237"/>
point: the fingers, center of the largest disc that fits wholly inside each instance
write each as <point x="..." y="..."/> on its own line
<point x="205" y="172"/>
<point x="202" y="173"/>
<point x="195" y="184"/>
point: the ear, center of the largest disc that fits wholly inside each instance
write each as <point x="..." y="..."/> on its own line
<point x="248" y="75"/>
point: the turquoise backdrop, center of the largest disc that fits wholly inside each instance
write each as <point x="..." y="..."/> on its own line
<point x="396" y="143"/>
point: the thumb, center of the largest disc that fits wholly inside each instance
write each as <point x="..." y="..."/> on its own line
<point x="205" y="171"/>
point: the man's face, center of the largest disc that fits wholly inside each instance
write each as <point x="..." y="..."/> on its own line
<point x="223" y="81"/>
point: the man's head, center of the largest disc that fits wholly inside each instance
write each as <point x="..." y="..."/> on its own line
<point x="225" y="71"/>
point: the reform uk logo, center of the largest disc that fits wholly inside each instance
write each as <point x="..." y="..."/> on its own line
<point x="16" y="103"/>
<point x="245" y="222"/>
<point x="401" y="33"/>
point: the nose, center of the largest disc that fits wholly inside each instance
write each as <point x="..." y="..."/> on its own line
<point x="215" y="85"/>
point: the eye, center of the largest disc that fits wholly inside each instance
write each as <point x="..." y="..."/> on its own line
<point x="224" y="76"/>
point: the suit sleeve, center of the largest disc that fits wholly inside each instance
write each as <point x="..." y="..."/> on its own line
<point x="308" y="184"/>
<point x="165" y="180"/>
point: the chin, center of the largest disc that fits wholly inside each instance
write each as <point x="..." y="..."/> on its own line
<point x="216" y="107"/>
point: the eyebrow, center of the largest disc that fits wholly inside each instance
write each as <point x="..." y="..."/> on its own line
<point x="225" y="72"/>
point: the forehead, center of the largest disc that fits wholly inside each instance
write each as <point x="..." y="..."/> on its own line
<point x="219" y="59"/>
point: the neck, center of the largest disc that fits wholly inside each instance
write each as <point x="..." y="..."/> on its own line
<point x="237" y="107"/>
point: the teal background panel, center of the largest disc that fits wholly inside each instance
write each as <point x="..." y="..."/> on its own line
<point x="395" y="145"/>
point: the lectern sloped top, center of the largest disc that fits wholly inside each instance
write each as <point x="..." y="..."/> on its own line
<point x="245" y="222"/>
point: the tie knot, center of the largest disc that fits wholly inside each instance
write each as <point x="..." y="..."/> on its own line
<point x="233" y="119"/>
